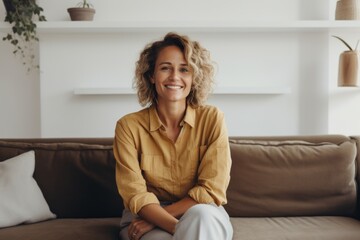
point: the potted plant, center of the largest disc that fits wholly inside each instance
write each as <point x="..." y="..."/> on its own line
<point x="21" y="14"/>
<point x="348" y="66"/>
<point x="83" y="11"/>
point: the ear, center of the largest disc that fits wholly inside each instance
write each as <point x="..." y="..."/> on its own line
<point x="152" y="80"/>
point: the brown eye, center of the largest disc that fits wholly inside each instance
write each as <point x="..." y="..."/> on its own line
<point x="164" y="68"/>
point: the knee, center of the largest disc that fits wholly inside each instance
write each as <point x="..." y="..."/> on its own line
<point x="205" y="220"/>
<point x="201" y="212"/>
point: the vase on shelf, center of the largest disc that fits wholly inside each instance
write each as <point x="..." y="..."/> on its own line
<point x="348" y="69"/>
<point x="347" y="10"/>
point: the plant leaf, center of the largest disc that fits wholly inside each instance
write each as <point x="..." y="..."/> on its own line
<point x="346" y="44"/>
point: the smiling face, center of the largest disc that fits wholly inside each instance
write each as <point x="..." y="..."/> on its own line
<point x="172" y="76"/>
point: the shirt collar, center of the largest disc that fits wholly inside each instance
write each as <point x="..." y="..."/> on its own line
<point x="189" y="116"/>
<point x="155" y="122"/>
<point x="154" y="119"/>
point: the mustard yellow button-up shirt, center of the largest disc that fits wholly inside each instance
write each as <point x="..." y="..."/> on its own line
<point x="151" y="168"/>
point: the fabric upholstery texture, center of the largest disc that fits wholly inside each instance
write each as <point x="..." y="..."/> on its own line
<point x="77" y="179"/>
<point x="21" y="200"/>
<point x="357" y="140"/>
<point x="65" y="229"/>
<point x="296" y="228"/>
<point x="292" y="178"/>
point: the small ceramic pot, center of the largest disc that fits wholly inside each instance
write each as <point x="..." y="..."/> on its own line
<point x="81" y="14"/>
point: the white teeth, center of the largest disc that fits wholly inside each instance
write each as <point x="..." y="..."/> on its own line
<point x="173" y="87"/>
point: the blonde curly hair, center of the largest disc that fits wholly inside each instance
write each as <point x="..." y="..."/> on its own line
<point x="196" y="56"/>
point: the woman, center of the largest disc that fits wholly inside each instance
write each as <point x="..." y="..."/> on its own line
<point x="173" y="158"/>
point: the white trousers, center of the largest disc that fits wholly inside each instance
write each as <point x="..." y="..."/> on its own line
<point x="200" y="222"/>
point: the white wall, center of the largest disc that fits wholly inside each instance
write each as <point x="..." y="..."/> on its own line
<point x="19" y="94"/>
<point x="344" y="102"/>
<point x="298" y="61"/>
<point x="189" y="10"/>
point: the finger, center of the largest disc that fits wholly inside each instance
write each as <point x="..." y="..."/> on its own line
<point x="134" y="236"/>
<point x="131" y="230"/>
<point x="136" y="230"/>
<point x="143" y="227"/>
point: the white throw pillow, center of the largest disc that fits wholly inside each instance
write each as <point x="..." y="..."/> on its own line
<point x="21" y="200"/>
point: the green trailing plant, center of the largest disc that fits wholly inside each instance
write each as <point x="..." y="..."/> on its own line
<point x="21" y="14"/>
<point x="84" y="4"/>
<point x="346" y="44"/>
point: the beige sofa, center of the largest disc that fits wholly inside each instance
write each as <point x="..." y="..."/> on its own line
<point x="288" y="187"/>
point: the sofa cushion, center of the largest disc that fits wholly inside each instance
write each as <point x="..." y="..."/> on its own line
<point x="296" y="228"/>
<point x="291" y="178"/>
<point x="357" y="140"/>
<point x="21" y="199"/>
<point x="65" y="229"/>
<point x="77" y="179"/>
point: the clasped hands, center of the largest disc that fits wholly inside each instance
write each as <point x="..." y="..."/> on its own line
<point x="138" y="228"/>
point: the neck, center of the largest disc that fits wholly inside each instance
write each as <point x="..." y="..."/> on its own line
<point x="171" y="114"/>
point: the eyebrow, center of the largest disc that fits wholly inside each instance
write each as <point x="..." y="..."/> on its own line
<point x="169" y="63"/>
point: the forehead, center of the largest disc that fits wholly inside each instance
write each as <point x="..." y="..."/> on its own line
<point x="171" y="54"/>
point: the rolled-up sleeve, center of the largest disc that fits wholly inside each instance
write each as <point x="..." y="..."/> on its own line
<point x="214" y="168"/>
<point x="130" y="182"/>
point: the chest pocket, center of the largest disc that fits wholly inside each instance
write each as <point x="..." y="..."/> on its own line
<point x="193" y="160"/>
<point x="155" y="170"/>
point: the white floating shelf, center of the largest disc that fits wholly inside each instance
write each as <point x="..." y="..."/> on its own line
<point x="206" y="26"/>
<point x="103" y="91"/>
<point x="219" y="90"/>
<point x="252" y="90"/>
<point x="197" y="26"/>
<point x="191" y="26"/>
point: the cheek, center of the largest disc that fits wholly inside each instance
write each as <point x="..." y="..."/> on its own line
<point x="189" y="81"/>
<point x="155" y="78"/>
<point x="158" y="76"/>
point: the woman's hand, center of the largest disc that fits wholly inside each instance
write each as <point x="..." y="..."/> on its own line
<point x="138" y="228"/>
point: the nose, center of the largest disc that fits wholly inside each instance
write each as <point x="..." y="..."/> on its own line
<point x="174" y="75"/>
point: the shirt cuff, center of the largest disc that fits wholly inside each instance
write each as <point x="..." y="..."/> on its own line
<point x="141" y="200"/>
<point x="200" y="195"/>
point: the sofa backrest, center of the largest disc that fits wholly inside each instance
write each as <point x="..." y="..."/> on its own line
<point x="292" y="176"/>
<point x="357" y="140"/>
<point x="270" y="176"/>
<point x="76" y="176"/>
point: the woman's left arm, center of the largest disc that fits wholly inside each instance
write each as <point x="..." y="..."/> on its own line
<point x="214" y="168"/>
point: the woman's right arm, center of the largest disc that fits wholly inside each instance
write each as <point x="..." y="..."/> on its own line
<point x="130" y="182"/>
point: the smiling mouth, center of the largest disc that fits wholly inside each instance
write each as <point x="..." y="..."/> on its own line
<point x="173" y="86"/>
